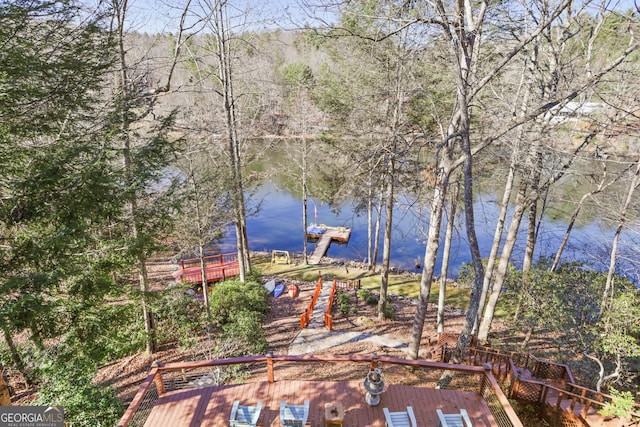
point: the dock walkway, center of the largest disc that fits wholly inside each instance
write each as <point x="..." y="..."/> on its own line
<point x="331" y="234"/>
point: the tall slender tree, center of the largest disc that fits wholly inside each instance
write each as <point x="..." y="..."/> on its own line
<point x="145" y="151"/>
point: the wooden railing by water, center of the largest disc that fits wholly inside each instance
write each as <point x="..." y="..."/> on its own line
<point x="162" y="379"/>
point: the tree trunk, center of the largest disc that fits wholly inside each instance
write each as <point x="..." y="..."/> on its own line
<point x="497" y="237"/>
<point x="527" y="262"/>
<point x="386" y="253"/>
<point x="453" y="199"/>
<point x="614" y="248"/>
<point x="485" y="325"/>
<point x="431" y="251"/>
<point x="123" y="85"/>
<point x="231" y="122"/>
<point x="149" y="322"/>
<point x="203" y="274"/>
<point x="533" y="210"/>
<point x="13" y="350"/>
<point x="376" y="241"/>
<point x="305" y="220"/>
<point x="478" y="268"/>
<point x="370" y="220"/>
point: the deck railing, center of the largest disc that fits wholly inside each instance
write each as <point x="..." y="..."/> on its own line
<point x="180" y="375"/>
<point x="211" y="259"/>
<point x="559" y="385"/>
<point x="348" y="284"/>
<point x="328" y="318"/>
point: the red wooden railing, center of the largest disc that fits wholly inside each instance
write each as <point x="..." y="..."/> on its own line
<point x="337" y="284"/>
<point x="217" y="268"/>
<point x="328" y="318"/>
<point x="211" y="259"/>
<point x="306" y="316"/>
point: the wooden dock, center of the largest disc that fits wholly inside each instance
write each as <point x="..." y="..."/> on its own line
<point x="331" y="234"/>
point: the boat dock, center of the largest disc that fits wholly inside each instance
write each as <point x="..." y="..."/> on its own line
<point x="330" y="234"/>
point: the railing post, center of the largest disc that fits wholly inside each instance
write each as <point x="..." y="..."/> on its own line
<point x="487" y="368"/>
<point x="270" y="375"/>
<point x="157" y="379"/>
<point x="559" y="401"/>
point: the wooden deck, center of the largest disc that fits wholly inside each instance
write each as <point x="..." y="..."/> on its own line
<point x="332" y="234"/>
<point x="210" y="406"/>
<point x="218" y="267"/>
<point x="170" y="395"/>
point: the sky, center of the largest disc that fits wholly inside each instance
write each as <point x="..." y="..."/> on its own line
<point x="154" y="16"/>
<point x="163" y="15"/>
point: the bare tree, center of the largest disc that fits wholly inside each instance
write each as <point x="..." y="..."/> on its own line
<point x="602" y="185"/>
<point x="453" y="203"/>
<point x="635" y="183"/>
<point x="524" y="199"/>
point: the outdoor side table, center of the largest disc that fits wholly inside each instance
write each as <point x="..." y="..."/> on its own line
<point x="333" y="414"/>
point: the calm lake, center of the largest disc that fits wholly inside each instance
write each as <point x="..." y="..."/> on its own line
<point x="278" y="225"/>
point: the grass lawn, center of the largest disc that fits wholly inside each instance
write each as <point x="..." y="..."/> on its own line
<point x="406" y="284"/>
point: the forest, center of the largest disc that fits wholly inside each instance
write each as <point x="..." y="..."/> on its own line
<point x="119" y="146"/>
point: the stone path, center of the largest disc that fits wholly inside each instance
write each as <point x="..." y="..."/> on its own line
<point x="315" y="337"/>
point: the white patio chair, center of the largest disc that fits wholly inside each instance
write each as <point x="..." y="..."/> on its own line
<point x="294" y="415"/>
<point x="400" y="419"/>
<point x="454" y="420"/>
<point x="244" y="416"/>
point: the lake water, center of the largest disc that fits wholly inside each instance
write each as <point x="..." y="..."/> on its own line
<point x="278" y="225"/>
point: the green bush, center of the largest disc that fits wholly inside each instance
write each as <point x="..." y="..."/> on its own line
<point x="239" y="309"/>
<point x="369" y="297"/>
<point x="179" y="316"/>
<point x="105" y="332"/>
<point x="620" y="406"/>
<point x="344" y="303"/>
<point x="233" y="296"/>
<point x="66" y="380"/>
<point x="245" y="328"/>
<point x="389" y="312"/>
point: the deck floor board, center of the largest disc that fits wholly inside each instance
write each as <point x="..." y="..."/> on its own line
<point x="211" y="406"/>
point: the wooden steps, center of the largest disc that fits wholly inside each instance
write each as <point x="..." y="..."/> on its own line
<point x="564" y="401"/>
